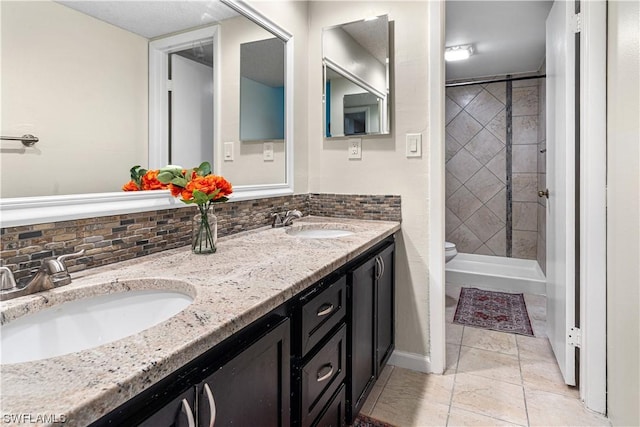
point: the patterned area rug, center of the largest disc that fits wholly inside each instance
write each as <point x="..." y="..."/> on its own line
<point x="364" y="421"/>
<point x="498" y="311"/>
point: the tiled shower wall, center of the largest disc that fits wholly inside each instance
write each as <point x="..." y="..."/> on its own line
<point x="476" y="169"/>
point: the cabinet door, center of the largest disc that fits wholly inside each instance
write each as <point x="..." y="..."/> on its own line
<point x="253" y="388"/>
<point x="362" y="346"/>
<point x="385" y="308"/>
<point x="178" y="413"/>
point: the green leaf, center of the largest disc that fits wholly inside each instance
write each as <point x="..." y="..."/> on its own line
<point x="180" y="181"/>
<point x="204" y="169"/>
<point x="199" y="197"/>
<point x="165" y="176"/>
<point x="212" y="195"/>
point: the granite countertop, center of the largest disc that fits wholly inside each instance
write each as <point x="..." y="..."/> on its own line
<point x="251" y="274"/>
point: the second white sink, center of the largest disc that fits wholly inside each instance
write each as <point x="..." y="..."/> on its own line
<point x="87" y="323"/>
<point x="320" y="231"/>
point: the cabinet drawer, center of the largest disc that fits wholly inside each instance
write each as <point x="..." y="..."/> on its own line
<point x="323" y="375"/>
<point x="333" y="415"/>
<point x="322" y="313"/>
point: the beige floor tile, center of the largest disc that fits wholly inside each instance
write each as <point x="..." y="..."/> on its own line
<point x="407" y="411"/>
<point x="536" y="306"/>
<point x="490" y="364"/>
<point x="539" y="328"/>
<point x="453" y="352"/>
<point x="490" y="340"/>
<point x="545" y="376"/>
<point x="549" y="409"/>
<point x="460" y="417"/>
<point x="533" y="348"/>
<point x="449" y="312"/>
<point x="384" y="375"/>
<point x="453" y="333"/>
<point x="369" y="404"/>
<point x="489" y="397"/>
<point x="420" y="386"/>
<point x="453" y="291"/>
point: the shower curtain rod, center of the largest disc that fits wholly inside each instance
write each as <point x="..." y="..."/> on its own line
<point x="507" y="79"/>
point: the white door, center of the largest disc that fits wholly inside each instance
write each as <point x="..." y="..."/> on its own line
<point x="191" y="112"/>
<point x="561" y="291"/>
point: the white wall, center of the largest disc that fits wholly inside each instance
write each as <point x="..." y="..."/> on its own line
<point x="339" y="88"/>
<point x="623" y="216"/>
<point x="384" y="169"/>
<point x="78" y="84"/>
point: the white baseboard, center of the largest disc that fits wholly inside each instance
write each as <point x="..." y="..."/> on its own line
<point x="413" y="361"/>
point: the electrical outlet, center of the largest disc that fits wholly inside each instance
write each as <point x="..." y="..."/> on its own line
<point x="355" y="148"/>
<point x="267" y="151"/>
<point x="228" y="151"/>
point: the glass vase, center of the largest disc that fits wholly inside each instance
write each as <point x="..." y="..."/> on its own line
<point x="204" y="232"/>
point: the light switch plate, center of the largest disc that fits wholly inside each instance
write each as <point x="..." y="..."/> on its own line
<point x="355" y="148"/>
<point x="228" y="151"/>
<point x="267" y="151"/>
<point x="414" y="145"/>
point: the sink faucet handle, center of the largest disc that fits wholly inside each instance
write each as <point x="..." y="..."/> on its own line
<point x="276" y="219"/>
<point x="7" y="281"/>
<point x="58" y="266"/>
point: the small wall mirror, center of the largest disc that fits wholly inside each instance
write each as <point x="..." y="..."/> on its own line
<point x="356" y="65"/>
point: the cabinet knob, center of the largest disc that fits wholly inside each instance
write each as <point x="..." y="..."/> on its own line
<point x="325" y="309"/>
<point x="328" y="371"/>
<point x="187" y="413"/>
<point x="543" y="193"/>
<point x="212" y="404"/>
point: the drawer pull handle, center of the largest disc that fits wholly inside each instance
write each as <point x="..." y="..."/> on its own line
<point x="186" y="410"/>
<point x="212" y="404"/>
<point x="321" y="376"/>
<point x="325" y="309"/>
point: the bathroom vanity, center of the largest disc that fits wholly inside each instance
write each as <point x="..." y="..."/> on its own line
<point x="283" y="330"/>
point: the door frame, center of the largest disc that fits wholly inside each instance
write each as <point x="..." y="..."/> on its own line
<point x="593" y="205"/>
<point x="159" y="51"/>
<point x="592" y="208"/>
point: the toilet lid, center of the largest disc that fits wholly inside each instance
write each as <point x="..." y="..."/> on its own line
<point x="449" y="245"/>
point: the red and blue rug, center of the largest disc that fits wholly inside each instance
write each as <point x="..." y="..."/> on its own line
<point x="497" y="311"/>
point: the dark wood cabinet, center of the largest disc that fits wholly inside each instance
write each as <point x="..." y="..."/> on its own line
<point x="252" y="388"/>
<point x="178" y="413"/>
<point x="361" y="358"/>
<point x="370" y="318"/>
<point x="385" y="308"/>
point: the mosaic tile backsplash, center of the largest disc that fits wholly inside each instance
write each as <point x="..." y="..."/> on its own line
<point x="115" y="238"/>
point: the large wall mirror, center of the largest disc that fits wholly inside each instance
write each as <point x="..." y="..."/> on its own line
<point x="77" y="75"/>
<point x="356" y="78"/>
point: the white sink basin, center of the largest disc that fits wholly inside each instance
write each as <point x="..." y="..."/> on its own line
<point x="313" y="231"/>
<point x="87" y="323"/>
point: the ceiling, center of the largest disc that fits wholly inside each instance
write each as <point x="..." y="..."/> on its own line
<point x="153" y="18"/>
<point x="508" y="37"/>
<point x="263" y="61"/>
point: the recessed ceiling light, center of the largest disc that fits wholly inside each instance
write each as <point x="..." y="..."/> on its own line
<point x="458" y="53"/>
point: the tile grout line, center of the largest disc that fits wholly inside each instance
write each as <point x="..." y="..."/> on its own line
<point x="524" y="394"/>
<point x="455" y="375"/>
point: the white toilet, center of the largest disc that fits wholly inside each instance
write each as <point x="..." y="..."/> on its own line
<point x="449" y="251"/>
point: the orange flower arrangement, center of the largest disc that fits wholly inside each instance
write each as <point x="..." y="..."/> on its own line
<point x="194" y="186"/>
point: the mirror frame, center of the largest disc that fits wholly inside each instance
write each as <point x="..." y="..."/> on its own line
<point x="42" y="209"/>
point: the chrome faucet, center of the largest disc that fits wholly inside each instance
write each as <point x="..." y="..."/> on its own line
<point x="52" y="273"/>
<point x="284" y="219"/>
